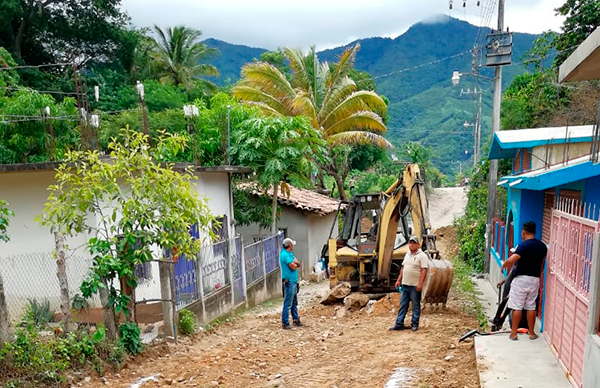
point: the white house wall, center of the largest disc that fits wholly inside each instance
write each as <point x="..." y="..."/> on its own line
<point x="319" y="228"/>
<point x="27" y="265"/>
<point x="557" y="153"/>
<point x="26" y="262"/>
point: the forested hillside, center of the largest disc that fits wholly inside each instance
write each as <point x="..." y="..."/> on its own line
<point x="424" y="106"/>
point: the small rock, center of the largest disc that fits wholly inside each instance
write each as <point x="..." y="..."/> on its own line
<point x="169" y="381"/>
<point x="180" y="379"/>
<point x="170" y="339"/>
<point x="448" y="358"/>
<point x="452" y="346"/>
<point x="275" y="376"/>
<point x="214" y="383"/>
<point x="340" y="312"/>
<point x="356" y="301"/>
<point x="87" y="379"/>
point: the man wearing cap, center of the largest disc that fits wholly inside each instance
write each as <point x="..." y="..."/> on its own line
<point x="289" y="275"/>
<point x="412" y="277"/>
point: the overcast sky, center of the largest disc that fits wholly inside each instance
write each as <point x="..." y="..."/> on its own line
<point x="326" y="23"/>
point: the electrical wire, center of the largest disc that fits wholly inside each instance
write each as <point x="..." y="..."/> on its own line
<point x="421" y="65"/>
<point x="35" y="66"/>
<point x="29" y="90"/>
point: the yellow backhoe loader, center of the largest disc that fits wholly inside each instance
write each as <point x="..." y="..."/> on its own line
<point x="368" y="252"/>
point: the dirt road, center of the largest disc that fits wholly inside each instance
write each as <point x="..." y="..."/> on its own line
<point x="356" y="350"/>
<point x="445" y="204"/>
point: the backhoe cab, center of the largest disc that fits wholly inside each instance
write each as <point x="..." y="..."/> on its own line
<point x="368" y="252"/>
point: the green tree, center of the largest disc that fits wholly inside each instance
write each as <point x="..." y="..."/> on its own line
<point x="582" y="17"/>
<point x="53" y="31"/>
<point x="177" y="57"/>
<point x="5" y="215"/>
<point x="277" y="149"/>
<point x="132" y="204"/>
<point x="325" y="94"/>
<point x="23" y="135"/>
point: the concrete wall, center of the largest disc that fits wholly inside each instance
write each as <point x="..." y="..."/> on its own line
<point x="591" y="372"/>
<point x="558" y="153"/>
<point x="258" y="293"/>
<point x="319" y="228"/>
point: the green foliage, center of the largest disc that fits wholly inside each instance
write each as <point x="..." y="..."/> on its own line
<point x="251" y="209"/>
<point x="24" y="140"/>
<point x="177" y="55"/>
<point x="531" y="100"/>
<point x="130" y="338"/>
<point x="187" y="322"/>
<point x="5" y="215"/>
<point x="32" y="359"/>
<point x="464" y="285"/>
<point x="137" y="202"/>
<point x="582" y="17"/>
<point x="8" y="78"/>
<point x="39" y="314"/>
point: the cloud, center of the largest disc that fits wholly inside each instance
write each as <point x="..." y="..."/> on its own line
<point x="324" y="23"/>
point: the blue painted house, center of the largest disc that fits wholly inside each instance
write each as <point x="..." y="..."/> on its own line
<point x="555" y="182"/>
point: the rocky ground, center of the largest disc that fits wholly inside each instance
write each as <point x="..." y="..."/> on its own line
<point x="354" y="350"/>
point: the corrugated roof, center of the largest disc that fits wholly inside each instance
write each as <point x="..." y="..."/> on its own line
<point x="300" y="199"/>
<point x="506" y="143"/>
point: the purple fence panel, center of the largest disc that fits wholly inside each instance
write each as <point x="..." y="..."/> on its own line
<point x="214" y="269"/>
<point x="185" y="282"/>
<point x="271" y="248"/>
<point x="253" y="257"/>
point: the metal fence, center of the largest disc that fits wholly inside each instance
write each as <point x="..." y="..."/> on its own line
<point x="226" y="264"/>
<point x="32" y="277"/>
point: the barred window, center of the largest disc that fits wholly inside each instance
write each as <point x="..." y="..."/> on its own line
<point x="219" y="228"/>
<point x="143" y="271"/>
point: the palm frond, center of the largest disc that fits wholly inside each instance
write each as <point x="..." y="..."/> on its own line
<point x="345" y="63"/>
<point x="303" y="104"/>
<point x="363" y="120"/>
<point x="359" y="138"/>
<point x="205" y="70"/>
<point x="302" y="76"/>
<point x="265" y="109"/>
<point x="357" y="101"/>
<point x="251" y="94"/>
<point x="268" y="78"/>
<point x="336" y="94"/>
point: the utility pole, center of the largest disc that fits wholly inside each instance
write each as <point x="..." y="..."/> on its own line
<point x="140" y="90"/>
<point x="493" y="173"/>
<point x="228" y="135"/>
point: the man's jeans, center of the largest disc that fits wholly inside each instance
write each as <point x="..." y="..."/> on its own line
<point x="290" y="301"/>
<point x="409" y="294"/>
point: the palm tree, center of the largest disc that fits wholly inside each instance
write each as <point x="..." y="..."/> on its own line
<point x="323" y="93"/>
<point x="177" y="55"/>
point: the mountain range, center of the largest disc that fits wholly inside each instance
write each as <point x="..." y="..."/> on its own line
<point x="414" y="72"/>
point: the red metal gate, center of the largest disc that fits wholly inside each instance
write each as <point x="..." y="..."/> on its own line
<point x="568" y="283"/>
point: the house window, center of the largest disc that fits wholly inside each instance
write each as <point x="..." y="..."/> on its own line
<point x="219" y="228"/>
<point x="143" y="271"/>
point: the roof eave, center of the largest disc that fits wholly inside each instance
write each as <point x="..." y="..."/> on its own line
<point x="584" y="63"/>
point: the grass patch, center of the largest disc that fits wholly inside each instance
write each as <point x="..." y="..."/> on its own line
<point x="463" y="286"/>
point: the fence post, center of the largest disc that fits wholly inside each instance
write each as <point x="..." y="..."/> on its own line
<point x="230" y="272"/>
<point x="264" y="263"/>
<point x="173" y="299"/>
<point x="200" y="283"/>
<point x="166" y="296"/>
<point x="5" y="331"/>
<point x="243" y="269"/>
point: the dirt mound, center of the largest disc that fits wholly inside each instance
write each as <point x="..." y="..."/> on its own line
<point x="386" y="305"/>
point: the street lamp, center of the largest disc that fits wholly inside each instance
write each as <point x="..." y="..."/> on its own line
<point x="456" y="77"/>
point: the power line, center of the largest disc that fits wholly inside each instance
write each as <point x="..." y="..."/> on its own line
<point x="421" y="65"/>
<point x="29" y="90"/>
<point x="35" y="66"/>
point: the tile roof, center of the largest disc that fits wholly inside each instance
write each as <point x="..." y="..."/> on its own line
<point x="300" y="199"/>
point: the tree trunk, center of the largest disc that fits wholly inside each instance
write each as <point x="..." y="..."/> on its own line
<point x="126" y="289"/>
<point x="339" y="181"/>
<point x="5" y="333"/>
<point x="274" y="209"/>
<point x="109" y="317"/>
<point x="61" y="273"/>
<point x="23" y="28"/>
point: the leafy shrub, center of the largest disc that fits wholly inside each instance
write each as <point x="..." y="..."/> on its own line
<point x="130" y="338"/>
<point x="39" y="314"/>
<point x="187" y="322"/>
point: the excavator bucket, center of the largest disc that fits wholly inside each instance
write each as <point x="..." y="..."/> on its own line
<point x="438" y="281"/>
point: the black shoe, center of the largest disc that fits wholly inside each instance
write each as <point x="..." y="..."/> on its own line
<point x="298" y="323"/>
<point x="396" y="328"/>
<point x="414" y="328"/>
<point x="286" y="326"/>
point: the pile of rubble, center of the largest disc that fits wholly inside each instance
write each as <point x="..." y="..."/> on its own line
<point x="355" y="301"/>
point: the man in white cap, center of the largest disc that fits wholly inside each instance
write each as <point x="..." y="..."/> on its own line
<point x="289" y="275"/>
<point x="412" y="278"/>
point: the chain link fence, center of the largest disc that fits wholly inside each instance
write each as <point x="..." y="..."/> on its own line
<point x="31" y="277"/>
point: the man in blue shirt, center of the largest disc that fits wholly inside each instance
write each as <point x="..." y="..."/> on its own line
<point x="289" y="275"/>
